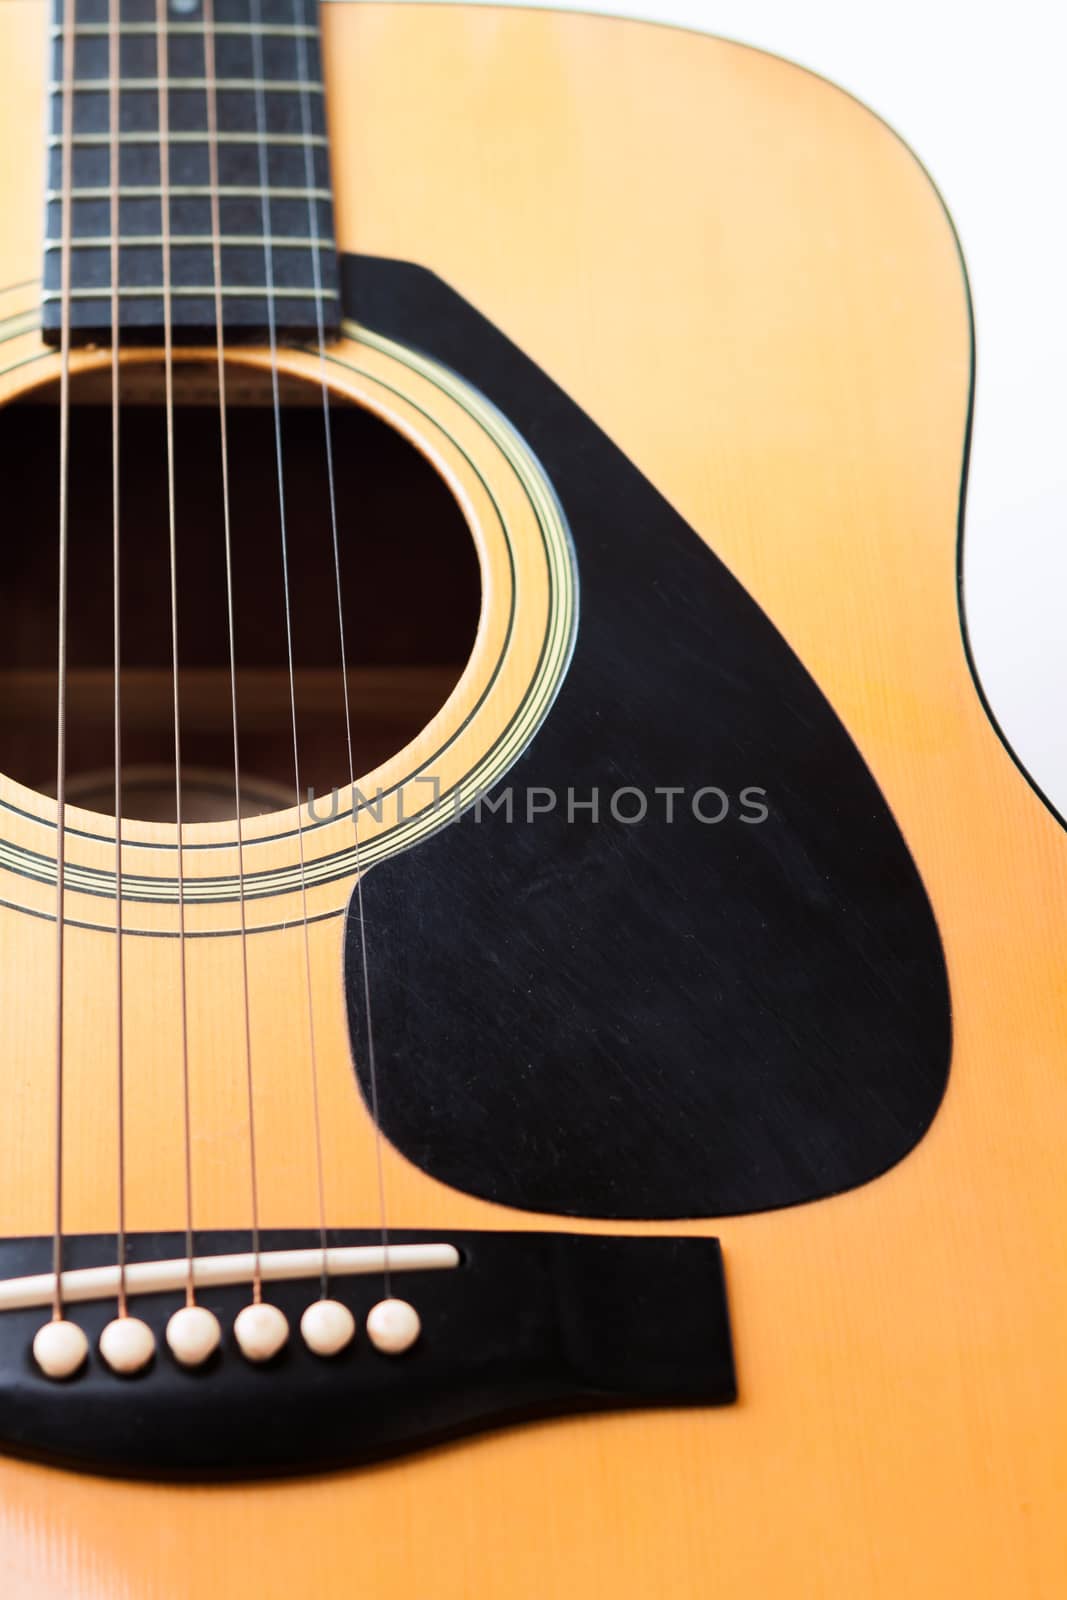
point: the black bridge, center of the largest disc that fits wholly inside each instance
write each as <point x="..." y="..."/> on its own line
<point x="529" y="1325"/>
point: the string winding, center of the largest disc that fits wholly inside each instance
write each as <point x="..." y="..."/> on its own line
<point x="114" y="179"/>
<point x="162" y="61"/>
<point x="272" y="326"/>
<point x="320" y="329"/>
<point x="68" y="34"/>
<point x="66" y="163"/>
<point x="210" y="75"/>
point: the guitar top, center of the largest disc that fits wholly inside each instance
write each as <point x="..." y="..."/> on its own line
<point x="533" y="1006"/>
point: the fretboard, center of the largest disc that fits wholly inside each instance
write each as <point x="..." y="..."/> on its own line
<point x="274" y="217"/>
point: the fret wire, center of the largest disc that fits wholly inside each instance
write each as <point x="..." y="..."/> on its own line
<point x="102" y="241"/>
<point x="298" y="76"/>
<point x="191" y="191"/>
<point x="202" y="292"/>
<point x="55" y="141"/>
<point x="280" y="31"/>
<point x="247" y="85"/>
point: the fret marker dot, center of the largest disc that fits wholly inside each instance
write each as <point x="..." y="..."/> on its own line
<point x="193" y="1335"/>
<point x="393" y="1326"/>
<point x="327" y="1327"/>
<point x="60" y="1349"/>
<point x="127" y="1345"/>
<point x="261" y="1331"/>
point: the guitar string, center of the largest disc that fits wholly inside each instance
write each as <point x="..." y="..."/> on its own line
<point x="114" y="52"/>
<point x="162" y="67"/>
<point x="220" y="361"/>
<point x="313" y="233"/>
<point x="268" y="267"/>
<point x="66" y="225"/>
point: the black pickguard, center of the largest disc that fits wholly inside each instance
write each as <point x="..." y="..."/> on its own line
<point x="650" y="1020"/>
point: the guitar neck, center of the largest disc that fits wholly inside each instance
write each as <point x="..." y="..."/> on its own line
<point x="188" y="171"/>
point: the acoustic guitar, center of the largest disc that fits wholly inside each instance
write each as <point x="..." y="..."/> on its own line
<point x="534" y="1026"/>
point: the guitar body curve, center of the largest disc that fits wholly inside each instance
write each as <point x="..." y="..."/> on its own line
<point x="746" y="283"/>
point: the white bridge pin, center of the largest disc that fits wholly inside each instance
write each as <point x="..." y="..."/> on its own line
<point x="60" y="1348"/>
<point x="193" y="1335"/>
<point x="127" y="1345"/>
<point x="393" y="1326"/>
<point x="327" y="1327"/>
<point x="262" y="1330"/>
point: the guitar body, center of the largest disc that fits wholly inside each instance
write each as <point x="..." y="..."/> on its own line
<point x="750" y="293"/>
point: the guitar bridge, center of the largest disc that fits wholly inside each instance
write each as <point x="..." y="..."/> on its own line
<point x="524" y="1325"/>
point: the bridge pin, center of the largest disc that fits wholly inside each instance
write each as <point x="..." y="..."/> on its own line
<point x="393" y="1326"/>
<point x="127" y="1345"/>
<point x="327" y="1327"/>
<point x="60" y="1349"/>
<point x="193" y="1335"/>
<point x="261" y="1331"/>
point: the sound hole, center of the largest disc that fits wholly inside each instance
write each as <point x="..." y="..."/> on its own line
<point x="409" y="583"/>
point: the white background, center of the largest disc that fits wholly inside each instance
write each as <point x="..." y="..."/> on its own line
<point x="978" y="93"/>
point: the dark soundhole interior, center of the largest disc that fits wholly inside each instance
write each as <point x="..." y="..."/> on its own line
<point x="409" y="584"/>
